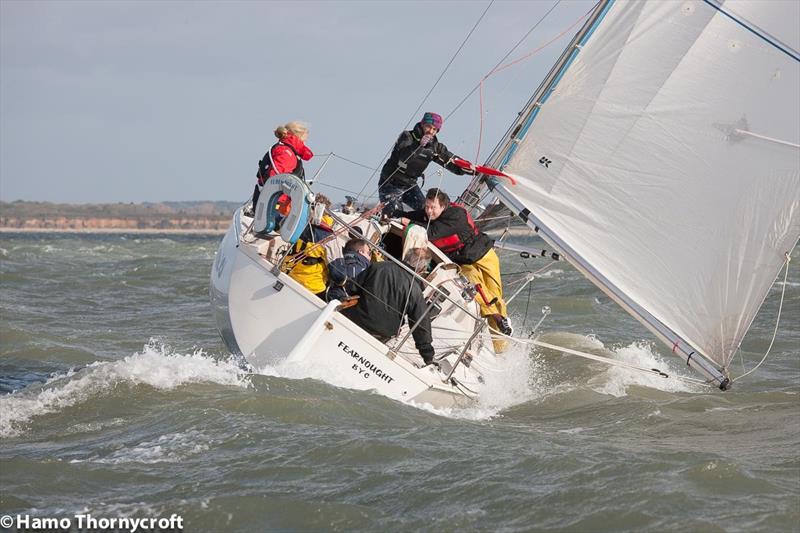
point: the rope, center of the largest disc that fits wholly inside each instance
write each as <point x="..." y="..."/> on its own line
<point x="518" y="60"/>
<point x="505" y="57"/>
<point x="777" y="321"/>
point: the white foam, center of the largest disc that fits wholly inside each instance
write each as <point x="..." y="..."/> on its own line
<point x="170" y="448"/>
<point x="551" y="273"/>
<point x="519" y="378"/>
<point x="616" y="380"/>
<point x="154" y="366"/>
<point x="514" y="379"/>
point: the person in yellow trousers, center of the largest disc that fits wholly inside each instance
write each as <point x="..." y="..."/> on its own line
<point x="452" y="230"/>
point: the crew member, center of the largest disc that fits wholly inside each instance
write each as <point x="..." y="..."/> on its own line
<point x="452" y="230"/>
<point x="285" y="156"/>
<point x="411" y="154"/>
<point x="387" y="295"/>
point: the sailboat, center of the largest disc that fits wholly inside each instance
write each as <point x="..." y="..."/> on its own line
<point x="660" y="157"/>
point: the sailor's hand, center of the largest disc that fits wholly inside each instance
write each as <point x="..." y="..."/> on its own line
<point x="465" y="166"/>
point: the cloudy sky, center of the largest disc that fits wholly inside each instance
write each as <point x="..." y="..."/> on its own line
<point x="113" y="101"/>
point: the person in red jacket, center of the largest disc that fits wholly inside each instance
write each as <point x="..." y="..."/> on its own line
<point x="452" y="230"/>
<point x="285" y="156"/>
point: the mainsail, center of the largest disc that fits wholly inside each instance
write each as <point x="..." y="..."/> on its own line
<point x="662" y="158"/>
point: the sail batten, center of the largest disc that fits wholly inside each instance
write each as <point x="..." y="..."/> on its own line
<point x="642" y="168"/>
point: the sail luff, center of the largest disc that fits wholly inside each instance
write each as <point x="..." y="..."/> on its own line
<point x="680" y="347"/>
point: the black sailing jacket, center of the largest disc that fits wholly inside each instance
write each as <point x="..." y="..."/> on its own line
<point x="383" y="290"/>
<point x="408" y="161"/>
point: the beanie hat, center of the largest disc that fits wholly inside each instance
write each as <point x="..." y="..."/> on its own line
<point x="434" y="119"/>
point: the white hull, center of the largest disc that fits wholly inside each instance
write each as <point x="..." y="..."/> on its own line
<point x="273" y="321"/>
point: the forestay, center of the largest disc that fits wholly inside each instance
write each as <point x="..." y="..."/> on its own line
<point x="665" y="163"/>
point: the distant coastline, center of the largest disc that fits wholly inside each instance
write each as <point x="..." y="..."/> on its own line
<point x="112" y="231"/>
<point x="210" y="218"/>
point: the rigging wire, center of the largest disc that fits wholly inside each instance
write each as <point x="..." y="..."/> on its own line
<point x="508" y="65"/>
<point x="777" y="321"/>
<point x="334" y="154"/>
<point x="425" y="99"/>
<point x="531" y="30"/>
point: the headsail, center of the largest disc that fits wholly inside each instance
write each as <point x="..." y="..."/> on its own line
<point x="665" y="161"/>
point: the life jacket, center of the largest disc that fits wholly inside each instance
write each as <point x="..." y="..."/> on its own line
<point x="462" y="236"/>
<point x="265" y="164"/>
<point x="312" y="270"/>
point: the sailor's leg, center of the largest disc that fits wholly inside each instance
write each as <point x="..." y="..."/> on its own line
<point x="486" y="272"/>
<point x="414" y="198"/>
<point x="389" y="195"/>
<point x="489" y="265"/>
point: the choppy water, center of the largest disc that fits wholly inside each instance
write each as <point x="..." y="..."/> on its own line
<point x="118" y="399"/>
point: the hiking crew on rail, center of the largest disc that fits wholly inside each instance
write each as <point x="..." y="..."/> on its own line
<point x="452" y="230"/>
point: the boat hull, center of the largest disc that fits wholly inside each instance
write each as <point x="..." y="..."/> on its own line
<point x="280" y="327"/>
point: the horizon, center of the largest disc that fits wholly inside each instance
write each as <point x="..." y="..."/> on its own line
<point x="144" y="102"/>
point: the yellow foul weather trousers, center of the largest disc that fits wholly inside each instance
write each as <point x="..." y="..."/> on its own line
<point x="486" y="272"/>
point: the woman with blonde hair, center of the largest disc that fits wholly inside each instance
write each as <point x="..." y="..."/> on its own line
<point x="285" y="156"/>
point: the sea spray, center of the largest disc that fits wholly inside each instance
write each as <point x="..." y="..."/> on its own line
<point x="155" y="366"/>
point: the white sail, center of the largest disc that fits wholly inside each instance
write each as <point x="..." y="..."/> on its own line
<point x="664" y="162"/>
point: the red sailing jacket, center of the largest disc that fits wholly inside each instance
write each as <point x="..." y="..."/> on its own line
<point x="285" y="158"/>
<point x="455" y="234"/>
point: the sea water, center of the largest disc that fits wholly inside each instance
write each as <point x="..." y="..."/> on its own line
<point x="120" y="401"/>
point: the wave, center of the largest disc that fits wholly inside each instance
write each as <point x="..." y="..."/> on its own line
<point x="154" y="367"/>
<point x="170" y="448"/>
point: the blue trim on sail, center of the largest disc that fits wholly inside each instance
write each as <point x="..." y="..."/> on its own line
<point x="757" y="32"/>
<point x="526" y="126"/>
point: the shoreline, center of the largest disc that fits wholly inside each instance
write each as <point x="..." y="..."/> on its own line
<point x="111" y="231"/>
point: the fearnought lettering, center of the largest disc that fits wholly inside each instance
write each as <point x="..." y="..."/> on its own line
<point x="363" y="365"/>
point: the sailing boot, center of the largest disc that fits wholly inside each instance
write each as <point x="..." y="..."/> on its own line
<point x="504" y="325"/>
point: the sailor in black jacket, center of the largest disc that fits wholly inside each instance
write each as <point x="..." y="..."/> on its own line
<point x="385" y="290"/>
<point x="411" y="155"/>
<point x="451" y="229"/>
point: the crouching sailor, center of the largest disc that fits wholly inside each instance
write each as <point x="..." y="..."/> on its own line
<point x="385" y="289"/>
<point x="343" y="271"/>
<point x="452" y="230"/>
<point x="307" y="261"/>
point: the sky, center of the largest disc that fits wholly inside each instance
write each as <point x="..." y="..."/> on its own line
<point x="160" y="100"/>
